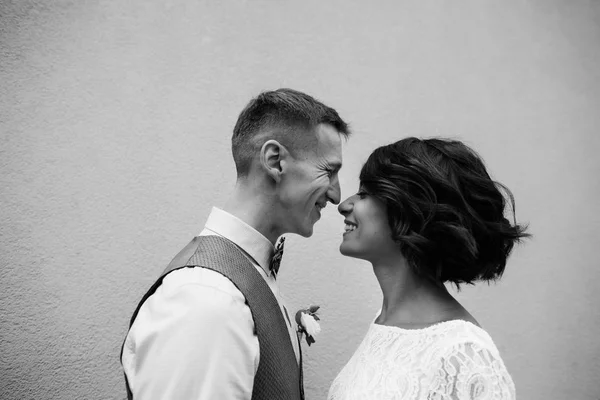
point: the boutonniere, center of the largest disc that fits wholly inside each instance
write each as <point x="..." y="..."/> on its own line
<point x="307" y="323"/>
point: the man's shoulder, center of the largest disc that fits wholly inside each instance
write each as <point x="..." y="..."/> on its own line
<point x="199" y="279"/>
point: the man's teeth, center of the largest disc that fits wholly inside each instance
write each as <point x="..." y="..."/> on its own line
<point x="349" y="228"/>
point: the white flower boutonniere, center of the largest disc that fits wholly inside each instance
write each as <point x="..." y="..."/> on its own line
<point x="307" y="323"/>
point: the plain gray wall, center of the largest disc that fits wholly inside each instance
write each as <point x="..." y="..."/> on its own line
<point x="115" y="121"/>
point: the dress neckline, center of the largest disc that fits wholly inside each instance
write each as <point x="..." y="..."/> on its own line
<point x="429" y="328"/>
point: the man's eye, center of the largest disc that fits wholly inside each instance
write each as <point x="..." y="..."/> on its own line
<point x="361" y="194"/>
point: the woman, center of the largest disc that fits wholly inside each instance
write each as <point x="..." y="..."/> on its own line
<point x="427" y="213"/>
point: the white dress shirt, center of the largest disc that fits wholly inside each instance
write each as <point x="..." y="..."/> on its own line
<point x="194" y="337"/>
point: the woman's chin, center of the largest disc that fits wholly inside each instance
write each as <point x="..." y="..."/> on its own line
<point x="344" y="249"/>
<point x="349" y="251"/>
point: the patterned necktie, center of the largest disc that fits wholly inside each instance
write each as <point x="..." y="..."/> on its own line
<point x="276" y="260"/>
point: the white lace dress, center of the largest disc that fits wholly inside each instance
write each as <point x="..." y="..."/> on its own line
<point x="453" y="360"/>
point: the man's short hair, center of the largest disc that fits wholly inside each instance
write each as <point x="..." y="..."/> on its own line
<point x="285" y="115"/>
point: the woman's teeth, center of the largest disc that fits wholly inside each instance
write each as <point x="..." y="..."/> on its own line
<point x="349" y="228"/>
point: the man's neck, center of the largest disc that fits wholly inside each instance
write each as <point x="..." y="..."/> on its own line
<point x="253" y="206"/>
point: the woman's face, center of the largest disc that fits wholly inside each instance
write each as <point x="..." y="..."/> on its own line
<point x="367" y="232"/>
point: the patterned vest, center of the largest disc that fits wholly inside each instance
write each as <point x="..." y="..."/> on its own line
<point x="278" y="375"/>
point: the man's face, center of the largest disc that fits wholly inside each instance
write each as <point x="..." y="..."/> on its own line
<point x="311" y="180"/>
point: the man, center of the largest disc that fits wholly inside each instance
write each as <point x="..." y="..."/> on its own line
<point x="214" y="326"/>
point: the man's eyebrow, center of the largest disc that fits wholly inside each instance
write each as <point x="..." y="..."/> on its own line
<point x="336" y="165"/>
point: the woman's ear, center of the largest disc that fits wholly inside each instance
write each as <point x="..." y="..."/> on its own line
<point x="272" y="159"/>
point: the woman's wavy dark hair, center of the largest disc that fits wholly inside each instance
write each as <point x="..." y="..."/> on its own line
<point x="445" y="212"/>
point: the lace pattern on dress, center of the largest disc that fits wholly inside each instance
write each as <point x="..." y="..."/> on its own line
<point x="453" y="360"/>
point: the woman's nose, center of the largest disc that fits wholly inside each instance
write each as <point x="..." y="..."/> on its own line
<point x="345" y="206"/>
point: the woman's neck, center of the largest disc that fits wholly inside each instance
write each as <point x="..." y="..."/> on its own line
<point x="409" y="299"/>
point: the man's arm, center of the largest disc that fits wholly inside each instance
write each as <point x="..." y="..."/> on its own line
<point x="194" y="341"/>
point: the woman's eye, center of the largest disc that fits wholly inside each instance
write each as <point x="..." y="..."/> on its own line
<point x="361" y="194"/>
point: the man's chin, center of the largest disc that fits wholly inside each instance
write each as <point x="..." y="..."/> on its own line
<point x="308" y="227"/>
<point x="306" y="232"/>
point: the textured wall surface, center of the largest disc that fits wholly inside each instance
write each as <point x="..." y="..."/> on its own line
<point x="115" y="119"/>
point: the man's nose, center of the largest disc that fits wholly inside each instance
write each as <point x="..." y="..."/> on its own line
<point x="334" y="192"/>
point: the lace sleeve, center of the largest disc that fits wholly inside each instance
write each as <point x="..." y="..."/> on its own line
<point x="470" y="372"/>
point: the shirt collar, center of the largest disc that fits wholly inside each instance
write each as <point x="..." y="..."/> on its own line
<point x="243" y="235"/>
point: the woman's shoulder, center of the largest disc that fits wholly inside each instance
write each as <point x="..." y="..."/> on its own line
<point x="442" y="336"/>
<point x="445" y="336"/>
<point x="468" y="359"/>
<point x="458" y="330"/>
<point x="465" y="332"/>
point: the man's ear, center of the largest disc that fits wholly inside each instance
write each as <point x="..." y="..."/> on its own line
<point x="272" y="158"/>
